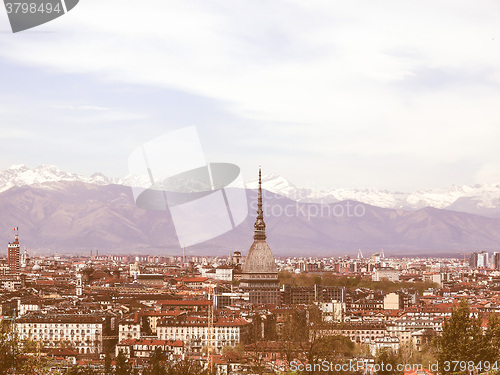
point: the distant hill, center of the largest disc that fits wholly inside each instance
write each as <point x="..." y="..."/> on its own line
<point x="75" y="216"/>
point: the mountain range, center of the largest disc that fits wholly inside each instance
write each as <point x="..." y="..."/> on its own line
<point x="69" y="213"/>
<point x="480" y="199"/>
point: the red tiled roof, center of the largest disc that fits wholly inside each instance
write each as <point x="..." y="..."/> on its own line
<point x="177" y="343"/>
<point x="187" y="302"/>
<point x="45" y="282"/>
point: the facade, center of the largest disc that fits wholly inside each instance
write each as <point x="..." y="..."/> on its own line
<point x="193" y="282"/>
<point x="388" y="273"/>
<point x="297" y="295"/>
<point x="25" y="306"/>
<point x="358" y="332"/>
<point x="12" y="282"/>
<point x="259" y="274"/>
<point x="495" y="260"/>
<point x="393" y="301"/>
<point x="479" y="260"/>
<point x="333" y="311"/>
<point x="84" y="333"/>
<point x="193" y="331"/>
<point x="381" y="343"/>
<point x="473" y="260"/>
<point x="433" y="277"/>
<point x="482" y="260"/>
<point x="129" y="327"/>
<point x="145" y="348"/>
<point x="4" y="267"/>
<point x="224" y="273"/>
<point x="367" y="304"/>
<point x="403" y="329"/>
<point x="153" y="280"/>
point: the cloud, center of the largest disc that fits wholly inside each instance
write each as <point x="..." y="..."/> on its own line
<point x="488" y="173"/>
<point x="335" y="79"/>
<point x="9" y="133"/>
<point x="81" y="107"/>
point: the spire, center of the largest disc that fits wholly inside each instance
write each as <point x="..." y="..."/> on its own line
<point x="259" y="233"/>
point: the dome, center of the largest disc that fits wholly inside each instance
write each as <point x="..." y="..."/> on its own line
<point x="260" y="259"/>
<point x="36" y="267"/>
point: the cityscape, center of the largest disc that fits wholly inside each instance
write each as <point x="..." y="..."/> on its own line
<point x="240" y="187"/>
<point x="245" y="313"/>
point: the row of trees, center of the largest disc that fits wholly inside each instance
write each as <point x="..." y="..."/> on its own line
<point x="158" y="366"/>
<point x="353" y="282"/>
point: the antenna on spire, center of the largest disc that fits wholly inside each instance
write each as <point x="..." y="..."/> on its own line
<point x="260" y="226"/>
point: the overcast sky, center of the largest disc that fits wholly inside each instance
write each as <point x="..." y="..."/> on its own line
<point x="367" y="94"/>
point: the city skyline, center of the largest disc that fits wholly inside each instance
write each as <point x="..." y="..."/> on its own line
<point x="242" y="187"/>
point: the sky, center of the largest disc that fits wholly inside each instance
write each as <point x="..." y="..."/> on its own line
<point x="329" y="94"/>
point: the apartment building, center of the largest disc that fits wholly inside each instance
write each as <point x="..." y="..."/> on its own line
<point x="83" y="333"/>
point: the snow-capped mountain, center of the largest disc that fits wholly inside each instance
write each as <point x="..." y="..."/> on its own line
<point x="43" y="175"/>
<point x="482" y="199"/>
<point x="21" y="175"/>
<point x="74" y="217"/>
<point x="68" y="212"/>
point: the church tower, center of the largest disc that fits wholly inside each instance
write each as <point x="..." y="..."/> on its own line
<point x="259" y="274"/>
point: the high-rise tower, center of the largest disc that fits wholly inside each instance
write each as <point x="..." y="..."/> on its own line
<point x="13" y="254"/>
<point x="259" y="274"/>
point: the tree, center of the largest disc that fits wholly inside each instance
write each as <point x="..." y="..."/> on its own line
<point x="388" y="361"/>
<point x="463" y="340"/>
<point x="258" y="363"/>
<point x="29" y="359"/>
<point x="77" y="370"/>
<point x="187" y="366"/>
<point x="331" y="348"/>
<point x="292" y="334"/>
<point x="87" y="370"/>
<point x="155" y="365"/>
<point x="7" y="348"/>
<point x="306" y="339"/>
<point x="19" y="357"/>
<point x="107" y="364"/>
<point x="122" y="365"/>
